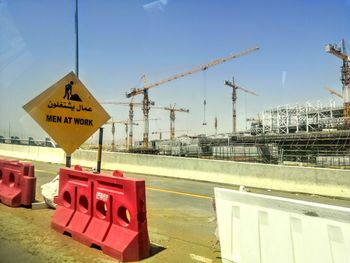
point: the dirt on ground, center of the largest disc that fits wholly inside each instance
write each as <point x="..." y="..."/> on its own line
<point x="26" y="236"/>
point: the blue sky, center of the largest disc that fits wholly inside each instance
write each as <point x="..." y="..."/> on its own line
<point x="121" y="40"/>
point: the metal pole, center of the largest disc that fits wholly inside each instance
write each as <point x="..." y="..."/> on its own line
<point x="76" y="40"/>
<point x="68" y="161"/>
<point x="99" y="154"/>
<point x="68" y="157"/>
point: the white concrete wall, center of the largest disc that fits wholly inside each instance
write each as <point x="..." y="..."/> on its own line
<point x="35" y="153"/>
<point x="331" y="182"/>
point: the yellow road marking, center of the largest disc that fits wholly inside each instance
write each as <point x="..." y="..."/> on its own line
<point x="200" y="258"/>
<point x="178" y="193"/>
<point x="150" y="188"/>
<point x="44" y="171"/>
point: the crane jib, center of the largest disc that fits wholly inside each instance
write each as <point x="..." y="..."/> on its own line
<point x="202" y="67"/>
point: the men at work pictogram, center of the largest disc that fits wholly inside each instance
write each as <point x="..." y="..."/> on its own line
<point x="68" y="92"/>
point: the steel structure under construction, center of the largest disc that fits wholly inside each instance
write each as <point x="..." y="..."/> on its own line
<point x="298" y="119"/>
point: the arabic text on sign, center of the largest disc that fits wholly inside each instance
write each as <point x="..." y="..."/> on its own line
<point x="69" y="106"/>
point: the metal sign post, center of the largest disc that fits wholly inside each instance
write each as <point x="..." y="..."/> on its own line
<point x="68" y="157"/>
<point x="99" y="154"/>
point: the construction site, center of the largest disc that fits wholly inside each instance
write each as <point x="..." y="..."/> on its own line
<point x="174" y="131"/>
<point x="305" y="134"/>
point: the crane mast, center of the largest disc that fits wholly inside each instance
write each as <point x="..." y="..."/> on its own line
<point x="144" y="90"/>
<point x="131" y="105"/>
<point x="340" y="52"/>
<point x="131" y="132"/>
<point x="126" y="123"/>
<point x="234" y="100"/>
<point x="172" y="111"/>
<point x="145" y="109"/>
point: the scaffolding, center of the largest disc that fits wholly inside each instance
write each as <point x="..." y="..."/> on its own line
<point x="294" y="119"/>
<point x="321" y="149"/>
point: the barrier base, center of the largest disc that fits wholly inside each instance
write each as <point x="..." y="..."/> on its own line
<point x="61" y="219"/>
<point x="10" y="197"/>
<point x="17" y="183"/>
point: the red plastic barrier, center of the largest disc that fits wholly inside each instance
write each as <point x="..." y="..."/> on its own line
<point x="17" y="183"/>
<point x="73" y="212"/>
<point x="112" y="218"/>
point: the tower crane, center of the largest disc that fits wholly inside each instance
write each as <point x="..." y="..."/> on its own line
<point x="126" y="123"/>
<point x="234" y="99"/>
<point x="131" y="105"/>
<point x="172" y="111"/>
<point x="340" y="52"/>
<point x="146" y="86"/>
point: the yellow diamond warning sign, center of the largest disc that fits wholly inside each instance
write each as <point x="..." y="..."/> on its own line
<point x="68" y="112"/>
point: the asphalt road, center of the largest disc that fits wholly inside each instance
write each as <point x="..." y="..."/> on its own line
<point x="179" y="214"/>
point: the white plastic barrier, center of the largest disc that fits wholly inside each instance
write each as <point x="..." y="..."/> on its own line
<point x="255" y="228"/>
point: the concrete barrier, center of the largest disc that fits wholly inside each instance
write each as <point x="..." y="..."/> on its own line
<point x="322" y="181"/>
<point x="255" y="228"/>
<point x="35" y="153"/>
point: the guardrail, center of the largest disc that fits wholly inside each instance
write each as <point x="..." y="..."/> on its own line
<point x="30" y="141"/>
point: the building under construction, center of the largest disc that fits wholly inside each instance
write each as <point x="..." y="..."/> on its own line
<point x="312" y="134"/>
<point x="309" y="117"/>
<point x="309" y="134"/>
